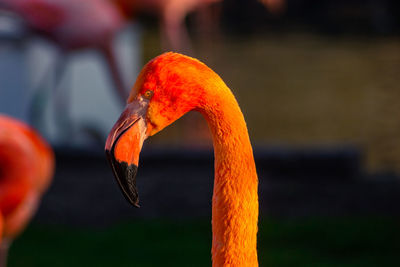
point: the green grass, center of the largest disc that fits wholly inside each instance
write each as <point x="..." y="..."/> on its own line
<point x="317" y="242"/>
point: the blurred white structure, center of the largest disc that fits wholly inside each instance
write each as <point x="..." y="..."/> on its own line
<point x="89" y="103"/>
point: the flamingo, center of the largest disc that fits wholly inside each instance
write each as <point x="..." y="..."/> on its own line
<point x="72" y="25"/>
<point x="26" y="168"/>
<point x="172" y="15"/>
<point x="169" y="86"/>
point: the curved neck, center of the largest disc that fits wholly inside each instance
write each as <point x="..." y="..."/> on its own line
<point x="235" y="198"/>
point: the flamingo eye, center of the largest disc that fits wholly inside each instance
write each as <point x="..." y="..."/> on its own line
<point x="148" y="94"/>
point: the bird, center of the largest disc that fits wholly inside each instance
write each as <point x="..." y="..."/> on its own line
<point x="172" y="14"/>
<point x="72" y="25"/>
<point x="26" y="170"/>
<point x="169" y="86"/>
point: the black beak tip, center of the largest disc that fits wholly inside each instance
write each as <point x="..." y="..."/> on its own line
<point x="125" y="175"/>
<point x="132" y="200"/>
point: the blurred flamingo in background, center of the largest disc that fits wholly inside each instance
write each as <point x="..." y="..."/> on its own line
<point x="26" y="169"/>
<point x="72" y="25"/>
<point x="172" y="15"/>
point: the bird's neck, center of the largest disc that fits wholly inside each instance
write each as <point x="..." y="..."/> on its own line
<point x="235" y="198"/>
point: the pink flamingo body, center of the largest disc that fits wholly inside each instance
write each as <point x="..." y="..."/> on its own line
<point x="74" y="25"/>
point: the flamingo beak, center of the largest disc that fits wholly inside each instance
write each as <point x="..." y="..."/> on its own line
<point x="123" y="147"/>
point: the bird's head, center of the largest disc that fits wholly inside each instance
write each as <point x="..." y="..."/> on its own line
<point x="167" y="87"/>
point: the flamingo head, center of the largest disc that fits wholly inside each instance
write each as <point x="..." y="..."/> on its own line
<point x="167" y="88"/>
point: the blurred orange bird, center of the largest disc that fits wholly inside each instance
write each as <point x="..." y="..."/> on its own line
<point x="26" y="169"/>
<point x="74" y="25"/>
<point x="168" y="87"/>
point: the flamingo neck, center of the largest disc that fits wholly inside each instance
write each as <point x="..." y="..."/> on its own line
<point x="235" y="198"/>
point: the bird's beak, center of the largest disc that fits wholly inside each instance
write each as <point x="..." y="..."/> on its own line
<point x="123" y="147"/>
